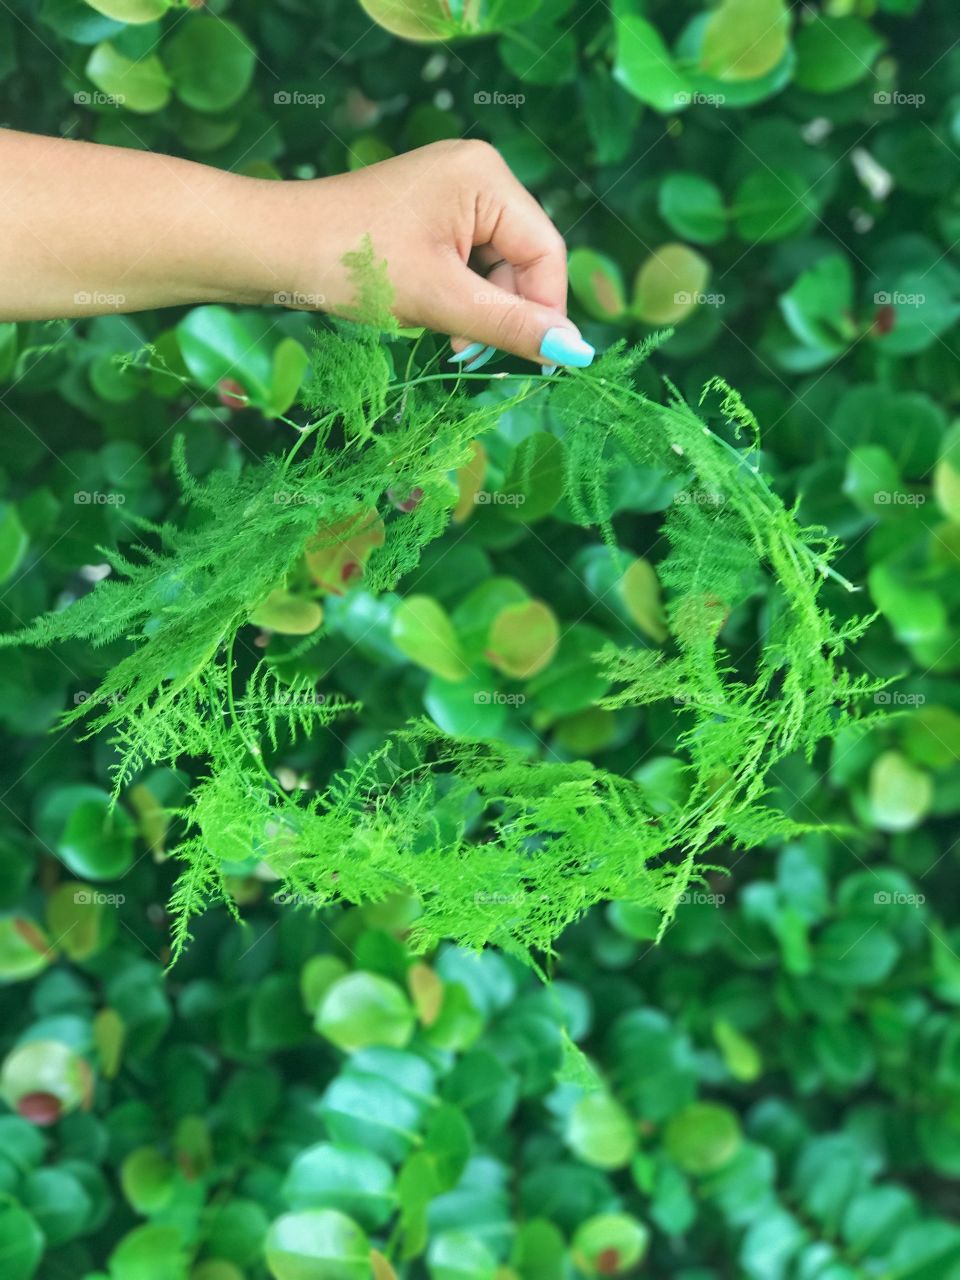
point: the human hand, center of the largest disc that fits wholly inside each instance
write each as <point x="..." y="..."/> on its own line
<point x="469" y="251"/>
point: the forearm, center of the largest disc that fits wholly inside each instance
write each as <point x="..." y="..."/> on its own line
<point x="86" y="228"/>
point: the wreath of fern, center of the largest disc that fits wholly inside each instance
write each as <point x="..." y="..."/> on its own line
<point x="498" y="847"/>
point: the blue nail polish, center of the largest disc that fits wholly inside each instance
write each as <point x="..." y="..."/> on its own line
<point x="486" y="354"/>
<point x="547" y="369"/>
<point x="467" y="353"/>
<point x="564" y="346"/>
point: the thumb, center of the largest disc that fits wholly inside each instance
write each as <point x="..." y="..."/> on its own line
<point x="468" y="305"/>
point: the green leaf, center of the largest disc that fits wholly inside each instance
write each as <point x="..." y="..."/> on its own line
<point x="946" y="479"/>
<point x="355" y="1182"/>
<point x="900" y="794"/>
<point x="422" y="629"/>
<point x="745" y="39"/>
<point x="597" y="284"/>
<point x="670" y="284"/>
<point x="640" y="588"/>
<point x="155" y="1252"/>
<point x="141" y="85"/>
<point x="287" y="614"/>
<point x="645" y="66"/>
<point x="211" y="62"/>
<point x="771" y="204"/>
<point x="363" y="1009"/>
<point x="692" y="206"/>
<point x="94" y="839"/>
<point x="834" y="53"/>
<point x="21" y="1241"/>
<point x="468" y="708"/>
<point x="317" y="1244"/>
<point x="13" y="542"/>
<point x="25" y="950"/>
<point x="535" y="480"/>
<point x="290" y="363"/>
<point x="523" y="639"/>
<point x="132" y="11"/>
<point x="219" y="344"/>
<point x="600" y="1132"/>
<point x="703" y="1137"/>
<point x="458" y="1255"/>
<point x="609" y="1244"/>
<point x="148" y="1180"/>
<point x="817" y="306"/>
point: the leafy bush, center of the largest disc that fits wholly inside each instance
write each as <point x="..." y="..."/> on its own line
<point x="770" y="1090"/>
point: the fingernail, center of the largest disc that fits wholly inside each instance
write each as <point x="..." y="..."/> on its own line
<point x="467" y="353"/>
<point x="547" y="369"/>
<point x="563" y="346"/>
<point x="486" y="354"/>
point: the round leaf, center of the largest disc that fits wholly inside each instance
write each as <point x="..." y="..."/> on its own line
<point x="670" y="284"/>
<point x="317" y="1244"/>
<point x="364" y="1009"/>
<point x="210" y="61"/>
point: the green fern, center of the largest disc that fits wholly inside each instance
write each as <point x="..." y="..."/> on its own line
<point x="497" y="847"/>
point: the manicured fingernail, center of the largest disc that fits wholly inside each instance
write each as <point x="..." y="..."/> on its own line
<point x="486" y="354"/>
<point x="548" y="369"/>
<point x="563" y="346"/>
<point x="467" y="353"/>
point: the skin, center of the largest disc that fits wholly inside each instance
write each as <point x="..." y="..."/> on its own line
<point x="87" y="229"/>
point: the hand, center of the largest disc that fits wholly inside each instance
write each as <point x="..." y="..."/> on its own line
<point x="469" y="251"/>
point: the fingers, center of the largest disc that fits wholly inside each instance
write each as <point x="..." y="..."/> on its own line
<point x="521" y="305"/>
<point x="464" y="303"/>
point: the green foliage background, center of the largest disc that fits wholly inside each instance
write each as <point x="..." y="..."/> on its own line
<point x="773" y="1092"/>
